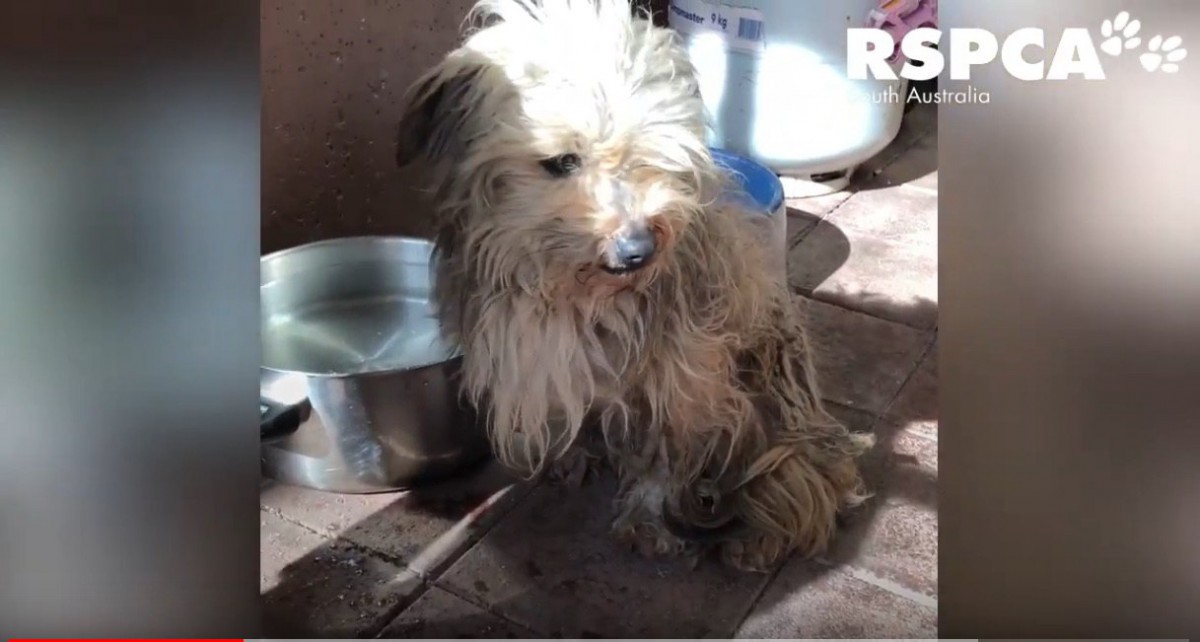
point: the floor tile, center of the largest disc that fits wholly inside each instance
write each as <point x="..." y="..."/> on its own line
<point x="812" y="262"/>
<point x="916" y="407"/>
<point x="327" y="513"/>
<point x="425" y="529"/>
<point x="884" y="279"/>
<point x="877" y="254"/>
<point x="552" y="566"/>
<point x="281" y="543"/>
<point x="861" y="361"/>
<point x="440" y="615"/>
<point x="819" y="206"/>
<point x="809" y="600"/>
<point x="316" y="587"/>
<point x="799" y="223"/>
<point x="894" y="536"/>
<point x="928" y="181"/>
<point x="891" y="213"/>
<point x="917" y="166"/>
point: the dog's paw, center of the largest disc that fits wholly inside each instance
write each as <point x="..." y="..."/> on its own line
<point x="757" y="555"/>
<point x="651" y="539"/>
<point x="572" y="468"/>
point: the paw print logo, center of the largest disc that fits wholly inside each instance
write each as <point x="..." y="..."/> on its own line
<point x="1120" y="33"/>
<point x="1163" y="55"/>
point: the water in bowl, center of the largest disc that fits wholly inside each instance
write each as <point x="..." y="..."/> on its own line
<point x="362" y="335"/>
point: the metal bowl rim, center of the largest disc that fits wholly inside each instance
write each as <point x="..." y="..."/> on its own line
<point x="456" y="353"/>
<point x="456" y="356"/>
<point x="344" y="240"/>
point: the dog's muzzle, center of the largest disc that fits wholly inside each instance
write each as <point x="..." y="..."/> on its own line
<point x="630" y="249"/>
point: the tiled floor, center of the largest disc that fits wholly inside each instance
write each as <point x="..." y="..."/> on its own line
<point x="490" y="557"/>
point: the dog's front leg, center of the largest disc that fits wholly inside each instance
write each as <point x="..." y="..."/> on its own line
<point x="572" y="468"/>
<point x="640" y="518"/>
<point x="636" y="452"/>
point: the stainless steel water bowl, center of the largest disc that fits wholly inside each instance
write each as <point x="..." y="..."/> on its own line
<point x="359" y="391"/>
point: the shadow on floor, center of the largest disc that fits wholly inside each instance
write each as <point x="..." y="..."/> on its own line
<point x="344" y="589"/>
<point x="554" y="568"/>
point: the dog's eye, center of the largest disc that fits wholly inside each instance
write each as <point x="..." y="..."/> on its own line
<point x="561" y="165"/>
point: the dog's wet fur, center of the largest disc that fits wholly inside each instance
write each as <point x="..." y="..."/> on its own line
<point x="556" y="128"/>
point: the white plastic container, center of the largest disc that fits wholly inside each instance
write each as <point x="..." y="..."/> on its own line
<point x="773" y="76"/>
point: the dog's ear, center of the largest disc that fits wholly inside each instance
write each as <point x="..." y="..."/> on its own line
<point x="440" y="111"/>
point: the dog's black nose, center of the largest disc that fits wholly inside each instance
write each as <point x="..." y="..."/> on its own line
<point x="633" y="249"/>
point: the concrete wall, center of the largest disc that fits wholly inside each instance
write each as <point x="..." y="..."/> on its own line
<point x="333" y="73"/>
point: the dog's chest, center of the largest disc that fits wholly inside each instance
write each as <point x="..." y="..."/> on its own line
<point x="606" y="349"/>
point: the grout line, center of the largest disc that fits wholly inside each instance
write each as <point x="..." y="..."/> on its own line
<point x="503" y="511"/>
<point x="894" y="588"/>
<point x="876" y="418"/>
<point x="864" y="575"/>
<point x="433" y="579"/>
<point x="810" y="296"/>
<point x="341" y="541"/>
<point x="395" y="612"/>
<point x="881" y="416"/>
<point x="911" y="373"/>
<point x="799" y="238"/>
<point x="899" y="153"/>
<point x="872" y="176"/>
<point x="426" y="581"/>
<point x="917" y="188"/>
<point x="463" y="596"/>
<point x="820" y="218"/>
<point x="758" y="596"/>
<point x="487" y="608"/>
<point x="271" y="510"/>
<point x="919" y="135"/>
<point x="826" y="215"/>
<point x="388" y="616"/>
<point x="432" y="574"/>
<point x="426" y="587"/>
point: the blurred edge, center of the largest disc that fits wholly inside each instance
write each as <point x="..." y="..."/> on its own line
<point x="129" y="210"/>
<point x="1069" y="502"/>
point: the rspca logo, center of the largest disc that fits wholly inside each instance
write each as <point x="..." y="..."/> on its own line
<point x="1025" y="54"/>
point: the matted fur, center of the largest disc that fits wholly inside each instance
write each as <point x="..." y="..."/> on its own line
<point x="694" y="370"/>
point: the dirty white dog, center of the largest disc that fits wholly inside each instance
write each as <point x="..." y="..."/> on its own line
<point x="600" y="286"/>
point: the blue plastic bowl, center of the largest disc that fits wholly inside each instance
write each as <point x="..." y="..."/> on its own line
<point x="761" y="188"/>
